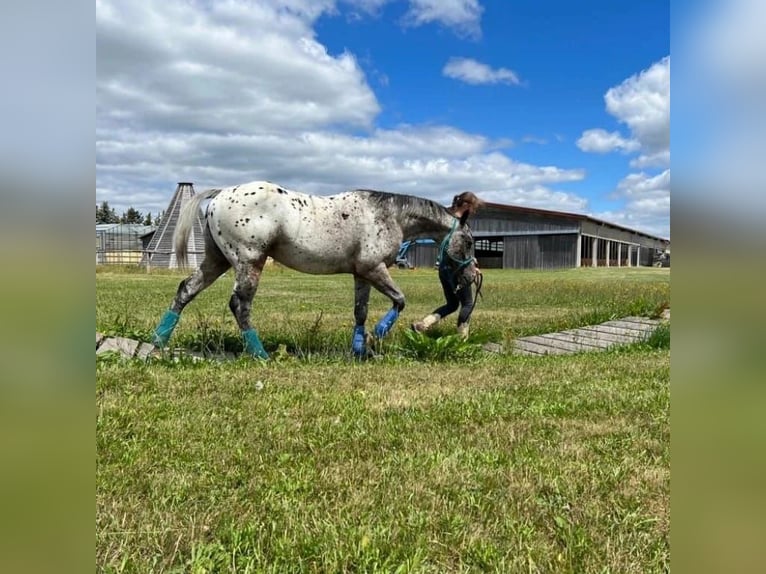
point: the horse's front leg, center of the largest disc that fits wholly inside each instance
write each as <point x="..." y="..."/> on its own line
<point x="361" y="299"/>
<point x="381" y="280"/>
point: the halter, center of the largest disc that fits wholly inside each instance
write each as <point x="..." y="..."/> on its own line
<point x="461" y="263"/>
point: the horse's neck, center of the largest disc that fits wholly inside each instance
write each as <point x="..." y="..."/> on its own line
<point x="419" y="225"/>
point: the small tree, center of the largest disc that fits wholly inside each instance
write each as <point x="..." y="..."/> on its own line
<point x="148" y="218"/>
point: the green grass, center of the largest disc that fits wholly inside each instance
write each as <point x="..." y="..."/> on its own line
<point x="313" y="315"/>
<point x="318" y="463"/>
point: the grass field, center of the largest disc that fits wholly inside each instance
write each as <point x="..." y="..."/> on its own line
<point x="314" y="462"/>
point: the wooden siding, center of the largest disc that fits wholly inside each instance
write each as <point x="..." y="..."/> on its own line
<point x="493" y="221"/>
<point x="540" y="251"/>
<point x="422" y="255"/>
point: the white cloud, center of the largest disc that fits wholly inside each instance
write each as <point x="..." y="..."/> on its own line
<point x="235" y="67"/>
<point x="427" y="161"/>
<point x="473" y="72"/>
<point x="463" y="16"/>
<point x="642" y="103"/>
<point x="658" y="159"/>
<point x="647" y="203"/>
<point x="229" y="92"/>
<point x="641" y="185"/>
<point x="601" y="141"/>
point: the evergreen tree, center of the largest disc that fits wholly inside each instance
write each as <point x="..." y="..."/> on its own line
<point x="106" y="214"/>
<point x="132" y="215"/>
<point x="148" y="218"/>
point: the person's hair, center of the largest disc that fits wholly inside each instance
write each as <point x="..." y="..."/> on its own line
<point x="466" y="200"/>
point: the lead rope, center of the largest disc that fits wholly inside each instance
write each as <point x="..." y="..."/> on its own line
<point x="478" y="281"/>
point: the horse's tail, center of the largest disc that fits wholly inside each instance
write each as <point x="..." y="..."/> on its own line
<point x="185" y="223"/>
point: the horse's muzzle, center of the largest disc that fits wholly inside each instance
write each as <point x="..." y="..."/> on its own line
<point x="468" y="275"/>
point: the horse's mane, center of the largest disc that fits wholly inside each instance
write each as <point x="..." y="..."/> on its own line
<point x="407" y="204"/>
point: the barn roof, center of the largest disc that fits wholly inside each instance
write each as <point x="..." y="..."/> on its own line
<point x="125" y="228"/>
<point x="567" y="215"/>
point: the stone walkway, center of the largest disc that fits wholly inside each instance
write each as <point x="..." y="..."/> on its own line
<point x="127" y="347"/>
<point x="592" y="338"/>
<point x="132" y="349"/>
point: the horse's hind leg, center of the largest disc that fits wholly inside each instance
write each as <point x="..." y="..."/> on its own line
<point x="241" y="302"/>
<point x="212" y="267"/>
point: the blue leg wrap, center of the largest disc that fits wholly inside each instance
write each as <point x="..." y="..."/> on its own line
<point x="358" y="343"/>
<point x="165" y="328"/>
<point x="385" y="324"/>
<point x="253" y="344"/>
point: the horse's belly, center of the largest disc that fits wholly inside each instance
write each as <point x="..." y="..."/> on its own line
<point x="313" y="257"/>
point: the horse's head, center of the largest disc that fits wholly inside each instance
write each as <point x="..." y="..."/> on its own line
<point x="457" y="247"/>
<point x="456" y="253"/>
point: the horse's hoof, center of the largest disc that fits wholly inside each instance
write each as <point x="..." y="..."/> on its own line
<point x="363" y="345"/>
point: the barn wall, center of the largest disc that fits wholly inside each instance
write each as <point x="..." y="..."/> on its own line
<point x="421" y="255"/>
<point x="540" y="251"/>
<point x="544" y="241"/>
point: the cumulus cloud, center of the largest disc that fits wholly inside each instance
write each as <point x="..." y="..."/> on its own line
<point x="234" y="67"/>
<point x="658" y="159"/>
<point x="234" y="91"/>
<point x="602" y="141"/>
<point x="641" y="185"/>
<point x="642" y="103"/>
<point x="463" y="16"/>
<point x="432" y="161"/>
<point x="473" y="72"/>
<point x="647" y="205"/>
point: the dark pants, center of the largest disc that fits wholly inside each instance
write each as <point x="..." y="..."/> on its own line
<point x="462" y="299"/>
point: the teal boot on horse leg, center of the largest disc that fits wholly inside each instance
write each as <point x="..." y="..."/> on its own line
<point x="253" y="345"/>
<point x="165" y="329"/>
<point x="241" y="302"/>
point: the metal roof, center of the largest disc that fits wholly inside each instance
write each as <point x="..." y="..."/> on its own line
<point x="563" y="214"/>
<point x="125" y="228"/>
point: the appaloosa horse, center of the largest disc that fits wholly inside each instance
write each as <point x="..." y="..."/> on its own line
<point x="357" y="232"/>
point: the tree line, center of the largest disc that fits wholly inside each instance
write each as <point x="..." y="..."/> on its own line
<point x="107" y="214"/>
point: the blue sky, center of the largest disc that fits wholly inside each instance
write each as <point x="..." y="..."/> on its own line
<point x="560" y="105"/>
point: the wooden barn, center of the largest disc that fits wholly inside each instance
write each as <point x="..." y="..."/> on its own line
<point x="513" y="237"/>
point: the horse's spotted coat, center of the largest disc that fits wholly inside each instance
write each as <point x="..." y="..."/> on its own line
<point x="357" y="232"/>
